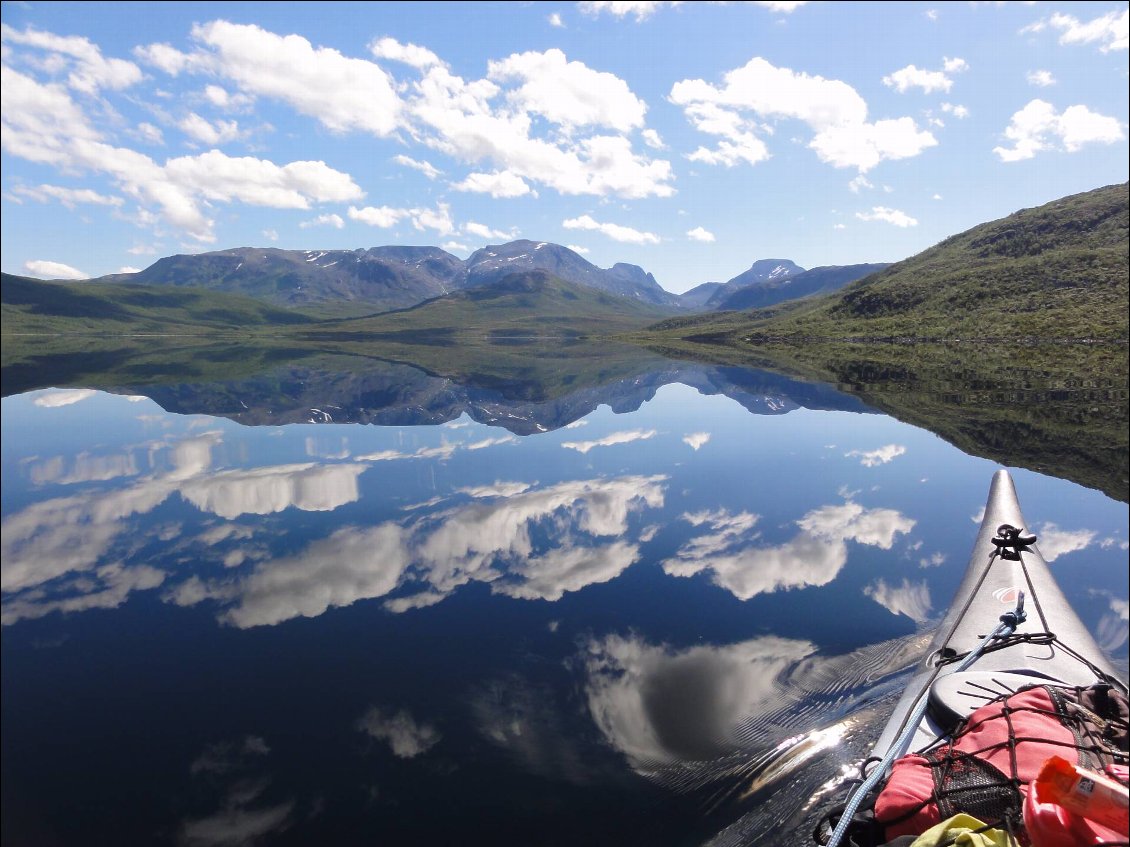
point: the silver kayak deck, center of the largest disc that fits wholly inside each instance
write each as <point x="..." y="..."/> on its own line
<point x="989" y="589"/>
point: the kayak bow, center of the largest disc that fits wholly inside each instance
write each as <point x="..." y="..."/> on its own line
<point x="1008" y="628"/>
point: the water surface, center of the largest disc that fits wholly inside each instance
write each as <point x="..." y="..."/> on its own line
<point x="438" y="614"/>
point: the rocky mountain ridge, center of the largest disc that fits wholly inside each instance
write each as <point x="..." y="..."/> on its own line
<point x="379" y="279"/>
<point x="793" y="286"/>
<point x="384" y="278"/>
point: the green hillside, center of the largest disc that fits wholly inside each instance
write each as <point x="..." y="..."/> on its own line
<point x="1056" y="272"/>
<point x="532" y="304"/>
<point x="35" y="307"/>
<point x="1056" y="408"/>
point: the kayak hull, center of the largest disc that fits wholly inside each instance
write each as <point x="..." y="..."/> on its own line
<point x="991" y="588"/>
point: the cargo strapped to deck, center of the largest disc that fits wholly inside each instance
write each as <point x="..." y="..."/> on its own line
<point x="986" y="768"/>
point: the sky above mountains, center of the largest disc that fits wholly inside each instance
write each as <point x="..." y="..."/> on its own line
<point x="690" y="139"/>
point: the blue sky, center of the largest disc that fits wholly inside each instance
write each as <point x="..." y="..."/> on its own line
<point x="690" y="139"/>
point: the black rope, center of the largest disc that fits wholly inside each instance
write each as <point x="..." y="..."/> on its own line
<point x="1035" y="594"/>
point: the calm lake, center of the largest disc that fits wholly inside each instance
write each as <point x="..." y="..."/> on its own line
<point x="669" y="607"/>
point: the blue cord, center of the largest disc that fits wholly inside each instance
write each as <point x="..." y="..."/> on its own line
<point x="1008" y="624"/>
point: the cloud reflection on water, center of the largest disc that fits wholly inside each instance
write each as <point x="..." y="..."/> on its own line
<point x="243" y="816"/>
<point x="658" y="705"/>
<point x="83" y="468"/>
<point x="63" y="397"/>
<point x="264" y="491"/>
<point x="814" y="556"/>
<point x="94" y="533"/>
<point x="526" y="543"/>
<point x="405" y="737"/>
<point x="911" y="599"/>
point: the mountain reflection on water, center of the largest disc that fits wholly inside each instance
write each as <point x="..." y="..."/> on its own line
<point x="393" y="394"/>
<point x="624" y="612"/>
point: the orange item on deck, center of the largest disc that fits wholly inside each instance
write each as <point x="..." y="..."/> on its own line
<point x="1068" y="806"/>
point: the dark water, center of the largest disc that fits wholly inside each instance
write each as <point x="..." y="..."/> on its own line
<point x="417" y="613"/>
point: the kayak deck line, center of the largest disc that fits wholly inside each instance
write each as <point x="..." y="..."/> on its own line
<point x="964" y="669"/>
<point x="1008" y="624"/>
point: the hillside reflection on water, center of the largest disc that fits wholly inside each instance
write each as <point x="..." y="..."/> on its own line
<point x="530" y="620"/>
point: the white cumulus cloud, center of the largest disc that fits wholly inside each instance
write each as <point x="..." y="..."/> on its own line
<point x="1110" y="31"/>
<point x="569" y="94"/>
<point x="498" y="184"/>
<point x="426" y="168"/>
<point x="1038" y="128"/>
<point x="43" y="124"/>
<point x="46" y="269"/>
<point x="495" y="124"/>
<point x="69" y="197"/>
<point x="87" y="70"/>
<point x="639" y="9"/>
<point x="737" y="110"/>
<point x="207" y="132"/>
<point x="616" y="232"/>
<point x="913" y="77"/>
<point x="652" y="139"/>
<point x="410" y="54"/>
<point x="383" y="217"/>
<point x="887" y="215"/>
<point x="700" y="234"/>
<point x="324" y="220"/>
<point x="340" y="92"/>
<point x="484" y="231"/>
<point x="437" y="219"/>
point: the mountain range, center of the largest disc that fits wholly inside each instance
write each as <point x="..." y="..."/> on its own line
<point x="1058" y="271"/>
<point x="384" y="278"/>
<point x="342" y="283"/>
